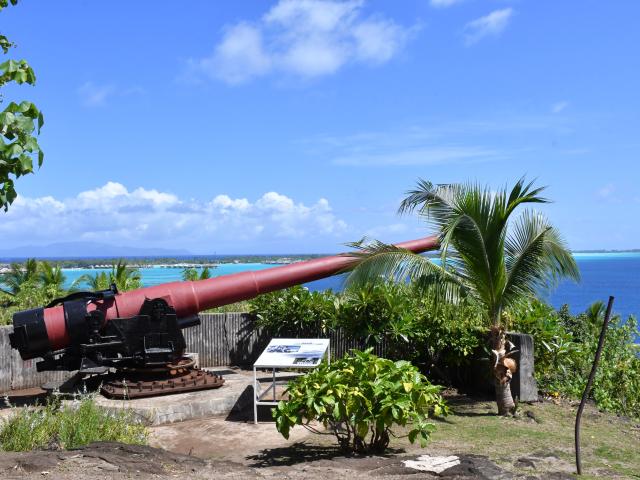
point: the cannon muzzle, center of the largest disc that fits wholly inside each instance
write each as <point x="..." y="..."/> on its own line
<point x="143" y="326"/>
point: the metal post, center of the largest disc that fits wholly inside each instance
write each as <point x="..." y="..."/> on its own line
<point x="587" y="389"/>
<point x="255" y="396"/>
<point x="274" y="384"/>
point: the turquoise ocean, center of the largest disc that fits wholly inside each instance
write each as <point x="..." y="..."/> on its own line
<point x="603" y="274"/>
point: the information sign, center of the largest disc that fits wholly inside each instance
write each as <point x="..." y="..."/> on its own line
<point x="293" y="352"/>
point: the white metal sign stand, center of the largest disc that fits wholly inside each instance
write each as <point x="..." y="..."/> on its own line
<point x="286" y="353"/>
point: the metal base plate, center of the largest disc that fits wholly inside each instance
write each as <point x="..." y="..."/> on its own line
<point x="140" y="384"/>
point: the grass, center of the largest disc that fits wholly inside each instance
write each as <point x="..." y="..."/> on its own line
<point x="57" y="426"/>
<point x="544" y="430"/>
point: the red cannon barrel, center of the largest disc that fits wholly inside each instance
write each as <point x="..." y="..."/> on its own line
<point x="47" y="329"/>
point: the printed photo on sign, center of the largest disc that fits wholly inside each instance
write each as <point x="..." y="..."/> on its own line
<point x="283" y="348"/>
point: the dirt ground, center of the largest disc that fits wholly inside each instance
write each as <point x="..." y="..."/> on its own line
<point x="537" y="444"/>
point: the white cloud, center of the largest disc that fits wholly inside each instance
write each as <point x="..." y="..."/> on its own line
<point x="115" y="215"/>
<point x="434" y="155"/>
<point x="607" y="190"/>
<point x="304" y="38"/>
<point x="559" y="106"/>
<point x="93" y="95"/>
<point x="460" y="142"/>
<point x="491" y="25"/>
<point x="444" y="3"/>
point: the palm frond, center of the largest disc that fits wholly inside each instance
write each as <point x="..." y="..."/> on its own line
<point x="536" y="257"/>
<point x="521" y="193"/>
<point x="380" y="262"/>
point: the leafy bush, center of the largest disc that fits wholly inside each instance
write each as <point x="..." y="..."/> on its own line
<point x="359" y="398"/>
<point x="294" y="311"/>
<point x="32" y="294"/>
<point x="374" y="310"/>
<point x="64" y="427"/>
<point x="565" y="347"/>
<point x="446" y="334"/>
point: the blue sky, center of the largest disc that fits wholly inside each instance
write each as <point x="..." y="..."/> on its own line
<point x="297" y="125"/>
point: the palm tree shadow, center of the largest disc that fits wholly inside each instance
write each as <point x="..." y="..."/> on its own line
<point x="466" y="413"/>
<point x="471" y="406"/>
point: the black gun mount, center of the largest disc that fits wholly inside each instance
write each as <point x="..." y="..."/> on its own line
<point x="151" y="339"/>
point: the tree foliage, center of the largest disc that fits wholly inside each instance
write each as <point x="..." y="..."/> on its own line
<point x="192" y="274"/>
<point x="124" y="277"/>
<point x="20" y="122"/>
<point x="36" y="283"/>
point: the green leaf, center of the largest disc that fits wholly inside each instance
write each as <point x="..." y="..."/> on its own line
<point x="26" y="163"/>
<point x="424" y="439"/>
<point x="362" y="429"/>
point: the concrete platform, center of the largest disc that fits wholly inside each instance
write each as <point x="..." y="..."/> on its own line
<point x="235" y="395"/>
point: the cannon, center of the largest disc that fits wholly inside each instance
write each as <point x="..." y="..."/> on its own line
<point x="137" y="335"/>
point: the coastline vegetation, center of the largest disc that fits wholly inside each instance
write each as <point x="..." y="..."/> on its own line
<point x="163" y="261"/>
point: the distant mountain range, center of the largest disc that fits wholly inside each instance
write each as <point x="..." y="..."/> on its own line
<point x="85" y="249"/>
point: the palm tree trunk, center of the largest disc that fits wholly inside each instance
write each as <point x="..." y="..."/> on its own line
<point x="504" y="400"/>
<point x="503" y="368"/>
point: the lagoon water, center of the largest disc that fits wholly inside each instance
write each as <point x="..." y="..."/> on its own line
<point x="603" y="274"/>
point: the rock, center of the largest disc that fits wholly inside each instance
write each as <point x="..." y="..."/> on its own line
<point x="524" y="462"/>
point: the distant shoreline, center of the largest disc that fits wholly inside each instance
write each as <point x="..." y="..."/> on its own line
<point x="633" y="250"/>
<point x="214" y="261"/>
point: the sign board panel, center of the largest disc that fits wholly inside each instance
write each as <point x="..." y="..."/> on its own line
<point x="293" y="352"/>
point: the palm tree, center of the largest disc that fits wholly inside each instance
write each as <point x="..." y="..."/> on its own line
<point x="95" y="282"/>
<point x="51" y="276"/>
<point x="191" y="274"/>
<point x="486" y="256"/>
<point x="124" y="277"/>
<point x="20" y="274"/>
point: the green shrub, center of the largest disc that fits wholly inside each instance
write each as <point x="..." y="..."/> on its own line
<point x="374" y="310"/>
<point x="63" y="427"/>
<point x="294" y="311"/>
<point x="447" y="335"/>
<point x="31" y="295"/>
<point x="565" y="347"/>
<point x="359" y="398"/>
